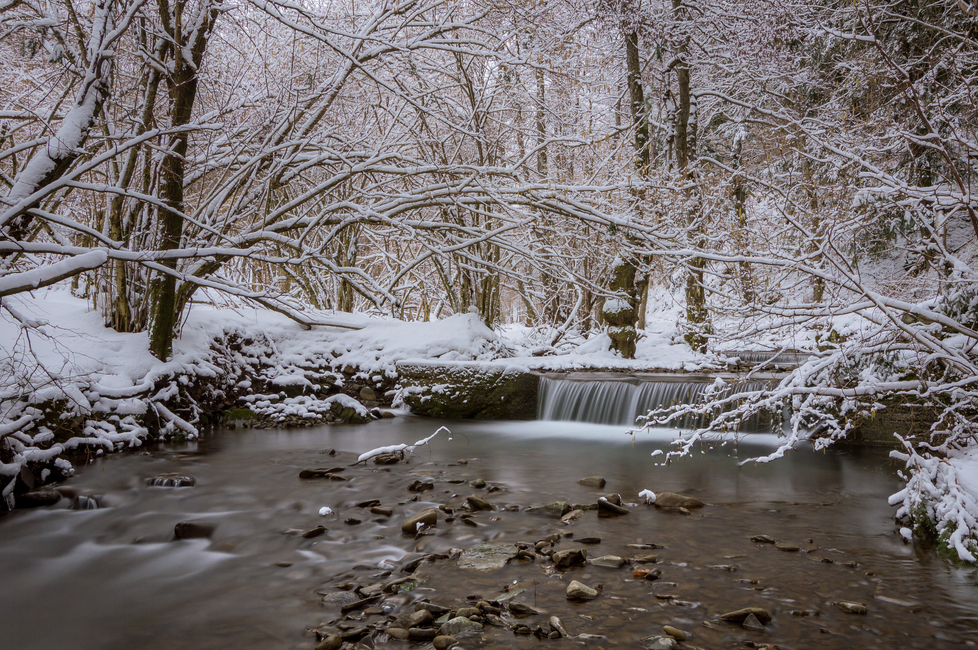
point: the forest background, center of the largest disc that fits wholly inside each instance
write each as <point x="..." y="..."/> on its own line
<point x="766" y="165"/>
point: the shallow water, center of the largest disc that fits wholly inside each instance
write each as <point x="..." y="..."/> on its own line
<point x="112" y="577"/>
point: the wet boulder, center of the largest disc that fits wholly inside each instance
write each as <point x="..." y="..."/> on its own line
<point x="673" y="500"/>
<point x="427" y="517"/>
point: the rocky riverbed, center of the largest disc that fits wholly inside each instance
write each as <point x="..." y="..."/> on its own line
<point x="499" y="535"/>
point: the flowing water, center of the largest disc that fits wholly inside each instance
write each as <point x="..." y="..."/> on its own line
<point x="112" y="577"/>
<point x="618" y="399"/>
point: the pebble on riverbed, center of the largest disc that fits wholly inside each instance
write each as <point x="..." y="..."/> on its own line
<point x="740" y="615"/>
<point x="570" y="557"/>
<point x="580" y="591"/>
<point x="851" y="607"/>
<point x="659" y="643"/>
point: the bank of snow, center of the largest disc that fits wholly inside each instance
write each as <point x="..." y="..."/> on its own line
<point x="67" y="382"/>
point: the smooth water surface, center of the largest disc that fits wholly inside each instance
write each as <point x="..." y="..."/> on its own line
<point x="112" y="577"/>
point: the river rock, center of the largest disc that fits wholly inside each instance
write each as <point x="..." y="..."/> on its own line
<point x="422" y="634"/>
<point x="674" y="632"/>
<point x="614" y="498"/>
<point x="572" y="516"/>
<point x="478" y="483"/>
<point x="522" y="609"/>
<point x="459" y="625"/>
<point x="355" y="634"/>
<point x="612" y="561"/>
<point x="659" y="643"/>
<point x="476" y="502"/>
<point x="421" y="486"/>
<point x="315" y="532"/>
<point x="192" y="530"/>
<point x="330" y="642"/>
<point x="580" y="591"/>
<point x="427" y="517"/>
<point x="387" y="459"/>
<point x="384" y="511"/>
<point x="487" y="607"/>
<point x="607" y="508"/>
<point x="851" y="607"/>
<point x="752" y="623"/>
<point x="436" y="610"/>
<point x="558" y="626"/>
<point x="444" y="642"/>
<point x="419" y="618"/>
<point x="319" y="472"/>
<point x="367" y="393"/>
<point x="398" y="633"/>
<point x="592" y="481"/>
<point x="673" y="500"/>
<point x="554" y="508"/>
<point x="339" y="598"/>
<point x="647" y="559"/>
<point x="740" y="615"/>
<point x="570" y="557"/>
<point x="38" y="498"/>
<point x="787" y="548"/>
<point x="486" y="557"/>
<point x="763" y="539"/>
<point x="647" y="574"/>
<point x="171" y="479"/>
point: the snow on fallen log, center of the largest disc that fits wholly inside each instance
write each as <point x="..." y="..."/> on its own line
<point x="390" y="449"/>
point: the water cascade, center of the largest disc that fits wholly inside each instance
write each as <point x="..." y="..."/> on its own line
<point x="771" y="358"/>
<point x="619" y="400"/>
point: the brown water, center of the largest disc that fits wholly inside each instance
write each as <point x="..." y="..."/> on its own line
<point x="111" y="578"/>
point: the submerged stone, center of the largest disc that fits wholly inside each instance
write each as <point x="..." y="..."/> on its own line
<point x="659" y="643"/>
<point x="673" y="500"/>
<point x="171" y="480"/>
<point x="851" y="607"/>
<point x="740" y="615"/>
<point x="554" y="508"/>
<point x="192" y="530"/>
<point x="486" y="557"/>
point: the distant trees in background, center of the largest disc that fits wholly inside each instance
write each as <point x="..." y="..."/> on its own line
<point x="549" y="160"/>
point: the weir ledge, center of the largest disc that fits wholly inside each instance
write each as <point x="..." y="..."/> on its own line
<point x="495" y="391"/>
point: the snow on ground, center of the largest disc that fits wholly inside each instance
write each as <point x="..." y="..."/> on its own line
<point x="53" y="346"/>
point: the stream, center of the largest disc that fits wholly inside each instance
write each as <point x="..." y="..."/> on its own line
<point x="113" y="577"/>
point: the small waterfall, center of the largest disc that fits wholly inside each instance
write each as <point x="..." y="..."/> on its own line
<point x="620" y="400"/>
<point x="773" y="358"/>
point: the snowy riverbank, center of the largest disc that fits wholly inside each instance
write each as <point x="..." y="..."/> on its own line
<point x="72" y="387"/>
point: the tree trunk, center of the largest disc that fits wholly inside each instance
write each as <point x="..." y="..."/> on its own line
<point x="697" y="315"/>
<point x="625" y="319"/>
<point x="182" y="86"/>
